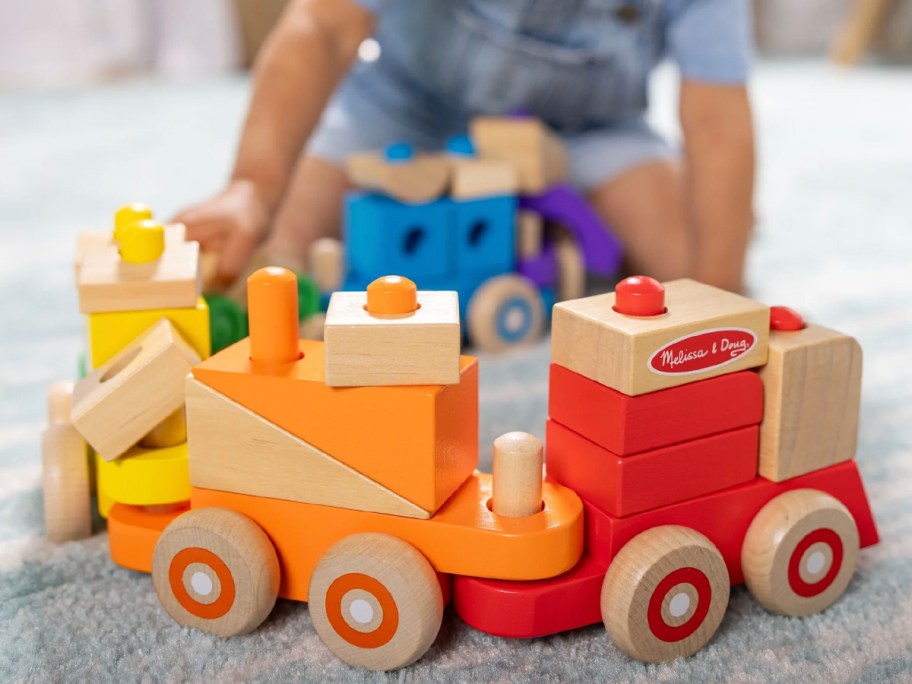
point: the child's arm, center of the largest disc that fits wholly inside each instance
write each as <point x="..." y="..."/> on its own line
<point x="719" y="148"/>
<point x="305" y="57"/>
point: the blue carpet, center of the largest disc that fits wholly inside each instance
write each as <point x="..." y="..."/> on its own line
<point x="834" y="241"/>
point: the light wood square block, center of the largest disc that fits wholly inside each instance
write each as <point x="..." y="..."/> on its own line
<point x="233" y="449"/>
<point x="99" y="240"/>
<point x="420" y="348"/>
<point x="121" y="401"/>
<point x="473" y="178"/>
<point x="537" y="154"/>
<point x="705" y="332"/>
<point x="107" y="283"/>
<point x="812" y="396"/>
<point x="421" y="179"/>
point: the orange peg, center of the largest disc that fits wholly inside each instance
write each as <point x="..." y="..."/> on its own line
<point x="272" y="307"/>
<point x="392" y="295"/>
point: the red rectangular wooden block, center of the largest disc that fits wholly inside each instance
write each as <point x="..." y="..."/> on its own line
<point x="628" y="425"/>
<point x="624" y="485"/>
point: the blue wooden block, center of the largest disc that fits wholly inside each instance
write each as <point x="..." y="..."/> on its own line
<point x="386" y="237"/>
<point x="485" y="235"/>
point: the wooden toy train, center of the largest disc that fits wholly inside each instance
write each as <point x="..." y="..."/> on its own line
<point x="696" y="439"/>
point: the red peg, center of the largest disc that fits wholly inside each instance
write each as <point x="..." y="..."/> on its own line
<point x="639" y="296"/>
<point x="785" y="319"/>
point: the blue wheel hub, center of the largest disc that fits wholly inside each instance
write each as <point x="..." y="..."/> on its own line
<point x="514" y="319"/>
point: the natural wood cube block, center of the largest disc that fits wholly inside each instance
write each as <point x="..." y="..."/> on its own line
<point x="473" y="178"/>
<point x="537" y="154"/>
<point x="105" y="282"/>
<point x="704" y="332"/>
<point x="121" y="401"/>
<point x="419" y="348"/>
<point x="812" y="397"/>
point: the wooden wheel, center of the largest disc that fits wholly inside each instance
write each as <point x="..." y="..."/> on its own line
<point x="505" y="311"/>
<point x="375" y="601"/>
<point x="800" y="552"/>
<point x="664" y="594"/>
<point x="571" y="268"/>
<point x="65" y="479"/>
<point x="216" y="570"/>
<point x="65" y="473"/>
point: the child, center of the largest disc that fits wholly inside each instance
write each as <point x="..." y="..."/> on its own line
<point x="580" y="65"/>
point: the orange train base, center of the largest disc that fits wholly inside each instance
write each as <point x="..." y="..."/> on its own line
<point x="464" y="538"/>
<point x="542" y="607"/>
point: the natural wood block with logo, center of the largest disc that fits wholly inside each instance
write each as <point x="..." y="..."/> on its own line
<point x="811" y="401"/>
<point x="704" y="332"/>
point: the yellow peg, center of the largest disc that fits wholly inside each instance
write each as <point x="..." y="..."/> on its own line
<point x="129" y="214"/>
<point x="142" y="242"/>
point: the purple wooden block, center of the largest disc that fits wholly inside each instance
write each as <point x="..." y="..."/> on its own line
<point x="602" y="251"/>
<point x="541" y="269"/>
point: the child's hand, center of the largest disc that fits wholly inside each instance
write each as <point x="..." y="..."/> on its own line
<point x="229" y="225"/>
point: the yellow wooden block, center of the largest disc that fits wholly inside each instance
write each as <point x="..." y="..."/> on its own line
<point x="473" y="178"/>
<point x="419" y="348"/>
<point x="704" y="332"/>
<point x="106" y="282"/>
<point x="421" y="179"/>
<point x="536" y="154"/>
<point x="811" y="401"/>
<point x="168" y="433"/>
<point x="145" y="477"/>
<point x="235" y="450"/>
<point x="122" y="400"/>
<point x="111" y="331"/>
<point x="105" y="502"/>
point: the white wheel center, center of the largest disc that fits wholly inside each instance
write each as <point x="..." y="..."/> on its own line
<point x="815" y="562"/>
<point x="514" y="319"/>
<point x="679" y="604"/>
<point x="361" y="611"/>
<point x="201" y="583"/>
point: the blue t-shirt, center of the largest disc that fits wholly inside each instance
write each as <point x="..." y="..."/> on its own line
<point x="574" y="63"/>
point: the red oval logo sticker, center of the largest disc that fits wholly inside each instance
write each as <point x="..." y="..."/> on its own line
<point x="702" y="351"/>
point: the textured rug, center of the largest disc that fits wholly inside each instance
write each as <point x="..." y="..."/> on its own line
<point x="834" y="241"/>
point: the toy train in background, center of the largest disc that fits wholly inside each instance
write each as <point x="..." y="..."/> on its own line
<point x="696" y="439"/>
<point x="490" y="218"/>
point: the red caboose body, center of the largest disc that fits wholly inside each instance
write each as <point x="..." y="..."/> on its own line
<point x="708" y="450"/>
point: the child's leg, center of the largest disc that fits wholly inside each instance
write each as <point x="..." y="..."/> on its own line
<point x="635" y="181"/>
<point x="645" y="207"/>
<point x="311" y="208"/>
